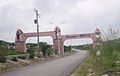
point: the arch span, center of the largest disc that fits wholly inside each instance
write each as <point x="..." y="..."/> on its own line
<point x="58" y="39"/>
<point x="95" y="37"/>
<point x="20" y="39"/>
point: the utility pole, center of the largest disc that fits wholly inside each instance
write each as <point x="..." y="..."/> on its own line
<point x="36" y="22"/>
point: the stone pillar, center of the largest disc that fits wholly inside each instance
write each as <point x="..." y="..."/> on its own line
<point x="62" y="49"/>
<point x="62" y="46"/>
<point x="55" y="44"/>
<point x="97" y="42"/>
<point x="94" y="44"/>
<point x="97" y="38"/>
<point x="20" y="46"/>
<point x="56" y="41"/>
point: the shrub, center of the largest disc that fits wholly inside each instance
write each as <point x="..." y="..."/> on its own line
<point x="67" y="48"/>
<point x="31" y="51"/>
<point x="50" y="51"/>
<point x="3" y="59"/>
<point x="22" y="57"/>
<point x="32" y="55"/>
<point x="14" y="59"/>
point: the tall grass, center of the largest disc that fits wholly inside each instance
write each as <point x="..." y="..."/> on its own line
<point x="109" y="59"/>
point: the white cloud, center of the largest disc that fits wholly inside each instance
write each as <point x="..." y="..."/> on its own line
<point x="80" y="16"/>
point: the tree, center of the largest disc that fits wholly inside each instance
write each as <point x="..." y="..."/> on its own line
<point x="31" y="50"/>
<point x="44" y="47"/>
<point x="3" y="58"/>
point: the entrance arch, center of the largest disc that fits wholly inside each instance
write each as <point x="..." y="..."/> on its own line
<point x="58" y="39"/>
<point x="20" y="39"/>
<point x="95" y="37"/>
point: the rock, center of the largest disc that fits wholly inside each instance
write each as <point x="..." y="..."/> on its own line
<point x="37" y="58"/>
<point x="105" y="75"/>
<point x="13" y="63"/>
<point x="90" y="74"/>
<point x="90" y="70"/>
<point x="43" y="59"/>
<point x="23" y="62"/>
<point x="117" y="62"/>
<point x="4" y="67"/>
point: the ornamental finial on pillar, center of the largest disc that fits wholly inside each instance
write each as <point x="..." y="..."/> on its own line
<point x="57" y="29"/>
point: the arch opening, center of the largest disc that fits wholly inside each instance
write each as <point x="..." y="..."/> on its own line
<point x="46" y="39"/>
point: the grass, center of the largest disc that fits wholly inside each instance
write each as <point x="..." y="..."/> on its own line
<point x="110" y="54"/>
<point x="83" y="70"/>
<point x="11" y="52"/>
<point x="18" y="55"/>
<point x="118" y="57"/>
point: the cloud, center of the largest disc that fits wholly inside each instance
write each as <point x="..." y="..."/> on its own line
<point x="80" y="16"/>
<point x="12" y="17"/>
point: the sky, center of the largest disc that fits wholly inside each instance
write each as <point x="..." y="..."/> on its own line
<point x="72" y="16"/>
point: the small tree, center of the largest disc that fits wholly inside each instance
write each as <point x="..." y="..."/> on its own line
<point x="3" y="58"/>
<point x="44" y="47"/>
<point x="50" y="51"/>
<point x="67" y="48"/>
<point x="31" y="51"/>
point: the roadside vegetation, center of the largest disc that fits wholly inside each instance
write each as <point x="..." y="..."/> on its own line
<point x="10" y="58"/>
<point x="7" y="50"/>
<point x="107" y="62"/>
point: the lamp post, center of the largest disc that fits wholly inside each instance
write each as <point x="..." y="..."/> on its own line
<point x="36" y="22"/>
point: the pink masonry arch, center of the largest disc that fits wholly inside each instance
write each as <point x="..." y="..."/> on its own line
<point x="58" y="39"/>
<point x="95" y="37"/>
<point x="20" y="39"/>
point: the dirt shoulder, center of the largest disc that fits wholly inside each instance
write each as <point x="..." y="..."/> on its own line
<point x="16" y="65"/>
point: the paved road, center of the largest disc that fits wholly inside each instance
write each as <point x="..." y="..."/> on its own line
<point x="60" y="67"/>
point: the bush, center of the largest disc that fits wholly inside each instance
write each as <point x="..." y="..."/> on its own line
<point x="3" y="59"/>
<point x="11" y="52"/>
<point x="31" y="51"/>
<point x="14" y="59"/>
<point x="67" y="48"/>
<point x="22" y="57"/>
<point x="50" y="51"/>
<point x="32" y="55"/>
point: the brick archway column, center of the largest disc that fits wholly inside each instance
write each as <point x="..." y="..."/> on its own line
<point x="62" y="40"/>
<point x="57" y="41"/>
<point x="20" y="42"/>
<point x="55" y="44"/>
<point x="97" y="40"/>
<point x="94" y="44"/>
<point x="94" y="40"/>
<point x="62" y="47"/>
<point x="21" y="46"/>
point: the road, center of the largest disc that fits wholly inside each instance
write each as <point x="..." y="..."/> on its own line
<point x="60" y="67"/>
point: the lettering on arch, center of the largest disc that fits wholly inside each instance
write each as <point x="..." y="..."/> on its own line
<point x="78" y="36"/>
